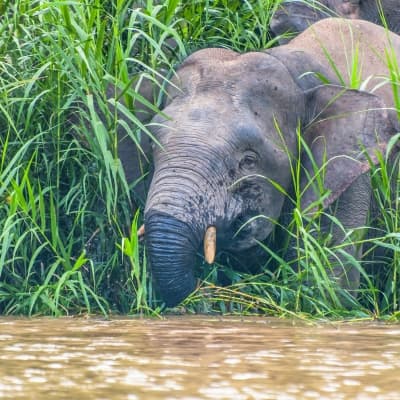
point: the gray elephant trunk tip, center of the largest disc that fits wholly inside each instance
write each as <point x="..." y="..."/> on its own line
<point x="171" y="247"/>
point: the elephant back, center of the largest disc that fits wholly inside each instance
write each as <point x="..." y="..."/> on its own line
<point x="340" y="44"/>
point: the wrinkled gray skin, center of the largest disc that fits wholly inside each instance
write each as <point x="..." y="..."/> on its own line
<point x="293" y="17"/>
<point x="222" y="135"/>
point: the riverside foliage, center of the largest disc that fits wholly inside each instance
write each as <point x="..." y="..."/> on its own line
<point x="69" y="218"/>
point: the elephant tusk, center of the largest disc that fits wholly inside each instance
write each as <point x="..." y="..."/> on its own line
<point x="210" y="244"/>
<point x="140" y="231"/>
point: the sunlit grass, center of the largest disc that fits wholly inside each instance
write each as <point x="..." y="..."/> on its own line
<point x="68" y="241"/>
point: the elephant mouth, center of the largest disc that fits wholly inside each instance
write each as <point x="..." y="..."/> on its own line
<point x="247" y="231"/>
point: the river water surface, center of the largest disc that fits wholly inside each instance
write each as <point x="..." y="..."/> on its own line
<point x="197" y="358"/>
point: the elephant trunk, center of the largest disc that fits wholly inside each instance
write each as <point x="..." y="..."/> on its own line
<point x="171" y="247"/>
<point x="186" y="197"/>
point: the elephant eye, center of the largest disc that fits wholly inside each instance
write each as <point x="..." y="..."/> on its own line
<point x="249" y="161"/>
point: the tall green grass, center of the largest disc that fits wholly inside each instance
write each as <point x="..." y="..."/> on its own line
<point x="68" y="216"/>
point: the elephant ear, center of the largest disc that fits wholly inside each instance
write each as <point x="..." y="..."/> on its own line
<point x="346" y="130"/>
<point x="134" y="148"/>
<point x="110" y="110"/>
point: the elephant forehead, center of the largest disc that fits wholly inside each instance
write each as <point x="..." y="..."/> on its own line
<point x="221" y="132"/>
<point x="256" y="72"/>
<point x="218" y="113"/>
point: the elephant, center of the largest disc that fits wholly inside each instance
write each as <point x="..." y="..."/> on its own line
<point x="293" y="17"/>
<point x="233" y="126"/>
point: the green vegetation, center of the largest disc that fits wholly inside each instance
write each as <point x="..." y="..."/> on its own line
<point x="68" y="217"/>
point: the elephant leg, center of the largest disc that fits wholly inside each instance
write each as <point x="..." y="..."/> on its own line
<point x="378" y="257"/>
<point x="351" y="210"/>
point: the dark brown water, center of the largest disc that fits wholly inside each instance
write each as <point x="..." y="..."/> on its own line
<point x="197" y="358"/>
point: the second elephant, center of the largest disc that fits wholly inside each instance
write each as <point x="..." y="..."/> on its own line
<point x="293" y="17"/>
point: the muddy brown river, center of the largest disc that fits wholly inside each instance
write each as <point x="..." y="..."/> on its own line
<point x="197" y="358"/>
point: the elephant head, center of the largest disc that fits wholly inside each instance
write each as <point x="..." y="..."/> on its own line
<point x="293" y="17"/>
<point x="227" y="138"/>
